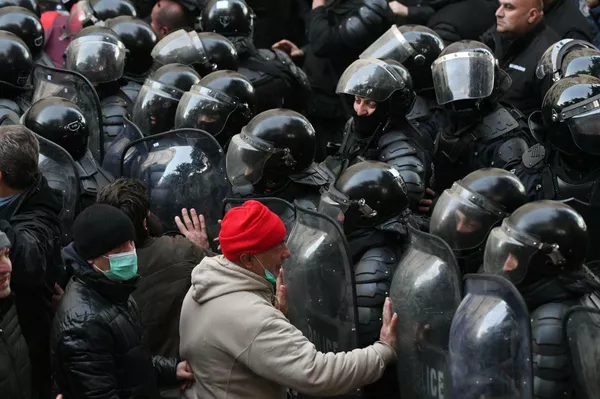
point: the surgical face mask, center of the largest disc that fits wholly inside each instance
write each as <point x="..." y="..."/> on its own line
<point x="123" y="266"/>
<point x="270" y="277"/>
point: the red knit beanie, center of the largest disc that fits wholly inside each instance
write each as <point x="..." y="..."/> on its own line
<point x="250" y="229"/>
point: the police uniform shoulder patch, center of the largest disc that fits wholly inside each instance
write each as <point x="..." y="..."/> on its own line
<point x="534" y="156"/>
<point x="496" y="124"/>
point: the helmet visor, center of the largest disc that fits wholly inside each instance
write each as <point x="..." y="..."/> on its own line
<point x="463" y="218"/>
<point x="392" y="44"/>
<point x="585" y="130"/>
<point x="179" y="47"/>
<point x="204" y="109"/>
<point x="334" y="204"/>
<point x="246" y="158"/>
<point x="369" y="78"/>
<point x="463" y="76"/>
<point x="155" y="107"/>
<point x="81" y="15"/>
<point x="98" y="61"/>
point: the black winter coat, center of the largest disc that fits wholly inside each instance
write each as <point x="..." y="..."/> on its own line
<point x="32" y="225"/>
<point x="519" y="58"/>
<point x="97" y="349"/>
<point x="464" y="20"/>
<point x="564" y="17"/>
<point x="15" y="367"/>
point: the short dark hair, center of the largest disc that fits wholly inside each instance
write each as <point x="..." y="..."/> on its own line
<point x="172" y="15"/>
<point x="19" y="153"/>
<point x="131" y="197"/>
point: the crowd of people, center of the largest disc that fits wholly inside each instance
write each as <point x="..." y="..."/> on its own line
<point x="293" y="198"/>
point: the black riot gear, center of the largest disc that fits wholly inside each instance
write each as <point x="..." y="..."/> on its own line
<point x="464" y="215"/>
<point x="206" y="52"/>
<point x="221" y="104"/>
<point x="156" y="104"/>
<point x="542" y="238"/>
<point x="228" y="18"/>
<point x="31" y="5"/>
<point x="571" y="115"/>
<point x="275" y="143"/>
<point x="139" y="38"/>
<point x="414" y="46"/>
<point x="60" y="121"/>
<point x="25" y="24"/>
<point x="368" y="193"/>
<point x="15" y="62"/>
<point x="98" y="54"/>
<point x="89" y="12"/>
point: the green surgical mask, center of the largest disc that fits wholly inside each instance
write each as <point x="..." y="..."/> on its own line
<point x="123" y="266"/>
<point x="270" y="277"/>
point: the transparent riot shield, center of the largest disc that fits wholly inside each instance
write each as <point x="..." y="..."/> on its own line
<point x="425" y="292"/>
<point x="59" y="169"/>
<point x="281" y="208"/>
<point x="490" y="342"/>
<point x="114" y="153"/>
<point x="320" y="284"/>
<point x="591" y="215"/>
<point x="76" y="88"/>
<point x="183" y="168"/>
<point x="582" y="326"/>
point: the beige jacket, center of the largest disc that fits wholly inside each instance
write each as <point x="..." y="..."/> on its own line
<point x="240" y="346"/>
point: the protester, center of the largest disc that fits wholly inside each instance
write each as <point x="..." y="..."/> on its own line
<point x="97" y="345"/>
<point x="15" y="366"/>
<point x="240" y="345"/>
<point x="165" y="263"/>
<point x="29" y="211"/>
<point x="518" y="40"/>
<point x="167" y="16"/>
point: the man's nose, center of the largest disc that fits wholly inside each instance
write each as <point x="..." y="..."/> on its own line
<point x="286" y="252"/>
<point x="362" y="110"/>
<point x="499" y="12"/>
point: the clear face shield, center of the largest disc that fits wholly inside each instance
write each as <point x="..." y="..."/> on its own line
<point x="334" y="204"/>
<point x="391" y="45"/>
<point x="583" y="121"/>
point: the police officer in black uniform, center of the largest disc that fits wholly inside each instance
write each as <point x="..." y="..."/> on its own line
<point x="31" y="5"/>
<point x="278" y="82"/>
<point x="63" y="123"/>
<point x="206" y="52"/>
<point x="156" y="104"/>
<point x="222" y="103"/>
<point x="139" y="38"/>
<point x="465" y="214"/>
<point x="541" y="249"/>
<point x="378" y="128"/>
<point x="273" y="156"/>
<point x="26" y="24"/>
<point x="371" y="200"/>
<point x="15" y="67"/>
<point x="480" y="132"/>
<point x="98" y="54"/>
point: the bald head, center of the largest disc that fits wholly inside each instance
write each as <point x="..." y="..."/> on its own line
<point x="519" y="16"/>
<point x="167" y="16"/>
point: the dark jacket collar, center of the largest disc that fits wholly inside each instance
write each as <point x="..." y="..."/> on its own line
<point x="507" y="46"/>
<point x="117" y="292"/>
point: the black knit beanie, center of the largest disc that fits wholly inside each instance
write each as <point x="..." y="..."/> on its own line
<point x="99" y="229"/>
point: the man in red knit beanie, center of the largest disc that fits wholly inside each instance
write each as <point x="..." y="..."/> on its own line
<point x="238" y="342"/>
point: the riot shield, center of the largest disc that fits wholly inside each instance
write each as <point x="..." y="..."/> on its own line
<point x="281" y="208"/>
<point x="490" y="342"/>
<point x="77" y="89"/>
<point x="582" y="326"/>
<point x="183" y="168"/>
<point x="59" y="169"/>
<point x="425" y="292"/>
<point x="320" y="284"/>
<point x="114" y="153"/>
<point x="591" y="215"/>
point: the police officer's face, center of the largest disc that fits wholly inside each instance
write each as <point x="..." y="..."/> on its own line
<point x="364" y="106"/>
<point x="517" y="16"/>
<point x="5" y="271"/>
<point x="511" y="263"/>
<point x="464" y="224"/>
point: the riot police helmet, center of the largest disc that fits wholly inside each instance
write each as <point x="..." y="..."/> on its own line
<point x="156" y="104"/>
<point x="466" y="75"/>
<point x="139" y="38"/>
<point x="382" y="81"/>
<point x="571" y="115"/>
<point x="31" y="5"/>
<point x="15" y="60"/>
<point x="25" y="24"/>
<point x="553" y="65"/>
<point x="221" y="103"/>
<point x="414" y="46"/>
<point x="230" y="18"/>
<point x="465" y="213"/>
<point x="365" y="195"/>
<point x="98" y="54"/>
<point x="207" y="52"/>
<point x="539" y="239"/>
<point x="60" y="121"/>
<point x="277" y="142"/>
<point x="89" y="12"/>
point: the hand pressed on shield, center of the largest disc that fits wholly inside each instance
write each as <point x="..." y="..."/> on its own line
<point x="281" y="294"/>
<point x="193" y="228"/>
<point x="390" y="322"/>
<point x="288" y="47"/>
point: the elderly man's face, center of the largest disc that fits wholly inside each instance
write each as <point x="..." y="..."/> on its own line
<point x="5" y="271"/>
<point x="272" y="259"/>
<point x="515" y="16"/>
